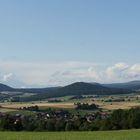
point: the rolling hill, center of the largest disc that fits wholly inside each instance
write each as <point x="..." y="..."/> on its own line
<point x="5" y="88"/>
<point x="133" y="85"/>
<point x="78" y="88"/>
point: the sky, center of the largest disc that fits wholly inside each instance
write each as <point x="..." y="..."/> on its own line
<point x="58" y="42"/>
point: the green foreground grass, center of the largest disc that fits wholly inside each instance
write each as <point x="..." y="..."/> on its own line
<point x="106" y="135"/>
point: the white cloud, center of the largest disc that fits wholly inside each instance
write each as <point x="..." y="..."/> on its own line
<point x="117" y="71"/>
<point x="8" y="76"/>
<point x="123" y="72"/>
<point x="42" y="73"/>
<point x="26" y="73"/>
<point x="12" y="80"/>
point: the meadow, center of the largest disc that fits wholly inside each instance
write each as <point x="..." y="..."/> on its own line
<point x="103" y="135"/>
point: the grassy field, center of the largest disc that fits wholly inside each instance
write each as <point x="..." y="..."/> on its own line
<point x="109" y="135"/>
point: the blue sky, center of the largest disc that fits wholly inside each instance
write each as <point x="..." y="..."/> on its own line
<point x="37" y="34"/>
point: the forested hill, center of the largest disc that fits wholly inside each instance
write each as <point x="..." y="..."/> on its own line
<point x="5" y="88"/>
<point x="133" y="85"/>
<point x="79" y="88"/>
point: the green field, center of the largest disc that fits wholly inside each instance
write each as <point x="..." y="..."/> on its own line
<point x="108" y="135"/>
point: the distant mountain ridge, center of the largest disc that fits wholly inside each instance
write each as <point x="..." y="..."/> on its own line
<point x="133" y="85"/>
<point x="128" y="85"/>
<point x="4" y="87"/>
<point x="78" y="88"/>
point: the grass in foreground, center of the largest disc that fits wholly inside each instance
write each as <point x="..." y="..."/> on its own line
<point x="108" y="135"/>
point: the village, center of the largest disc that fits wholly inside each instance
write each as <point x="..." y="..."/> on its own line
<point x="47" y="119"/>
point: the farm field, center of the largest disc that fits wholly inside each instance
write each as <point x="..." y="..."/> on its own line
<point x="106" y="135"/>
<point x="68" y="105"/>
<point x="41" y="105"/>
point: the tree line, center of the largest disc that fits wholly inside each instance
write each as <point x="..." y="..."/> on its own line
<point x="64" y="121"/>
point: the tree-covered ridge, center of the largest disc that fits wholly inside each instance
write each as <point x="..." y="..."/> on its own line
<point x="75" y="89"/>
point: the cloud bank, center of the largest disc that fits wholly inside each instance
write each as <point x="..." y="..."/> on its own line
<point x="26" y="74"/>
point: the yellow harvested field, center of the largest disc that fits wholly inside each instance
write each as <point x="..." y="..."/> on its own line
<point x="103" y="105"/>
<point x="41" y="105"/>
<point x="117" y="105"/>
